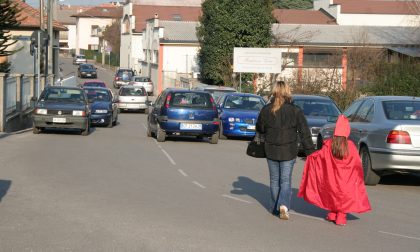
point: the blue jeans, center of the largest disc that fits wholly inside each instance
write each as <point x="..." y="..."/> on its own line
<point x="280" y="182"/>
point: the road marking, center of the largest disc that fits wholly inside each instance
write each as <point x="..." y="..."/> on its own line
<point x="183" y="173"/>
<point x="198" y="184"/>
<point x="168" y="156"/>
<point x="144" y="126"/>
<point x="155" y="140"/>
<point x="235" y="198"/>
<point x="399" y="235"/>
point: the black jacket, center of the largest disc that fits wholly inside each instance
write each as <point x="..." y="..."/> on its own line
<point x="281" y="132"/>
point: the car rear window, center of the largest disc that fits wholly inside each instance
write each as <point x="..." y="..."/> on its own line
<point x="313" y="107"/>
<point x="94" y="84"/>
<point x="98" y="95"/>
<point x="125" y="75"/>
<point x="191" y="99"/>
<point x="402" y="110"/>
<point x="142" y="79"/>
<point x="132" y="92"/>
<point x="244" y="102"/>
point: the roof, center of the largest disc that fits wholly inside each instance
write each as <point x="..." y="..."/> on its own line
<point x="346" y="35"/>
<point x="29" y="17"/>
<point x="145" y="12"/>
<point x="65" y="12"/>
<point x="379" y="7"/>
<point x="289" y="16"/>
<point x="409" y="51"/>
<point x="113" y="12"/>
<point x="179" y="31"/>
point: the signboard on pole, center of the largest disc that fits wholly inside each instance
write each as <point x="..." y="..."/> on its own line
<point x="256" y="60"/>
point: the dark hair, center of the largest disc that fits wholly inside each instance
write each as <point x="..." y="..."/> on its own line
<point x="339" y="147"/>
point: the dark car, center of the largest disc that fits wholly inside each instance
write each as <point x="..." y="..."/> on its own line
<point x="62" y="107"/>
<point x="95" y="83"/>
<point x="238" y="113"/>
<point x="103" y="106"/>
<point x="122" y="77"/>
<point x="317" y="110"/>
<point x="184" y="112"/>
<point x="87" y="71"/>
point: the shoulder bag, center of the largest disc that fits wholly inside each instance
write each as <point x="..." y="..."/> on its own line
<point x="256" y="147"/>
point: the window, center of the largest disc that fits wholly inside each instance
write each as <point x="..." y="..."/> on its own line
<point x="351" y="111"/>
<point x="402" y="110"/>
<point x="94" y="31"/>
<point x="290" y="59"/>
<point x="177" y="17"/>
<point x="93" y="47"/>
<point x="196" y="100"/>
<point x="365" y="113"/>
<point x="321" y="59"/>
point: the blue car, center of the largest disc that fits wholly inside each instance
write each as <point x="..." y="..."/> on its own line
<point x="238" y="113"/>
<point x="103" y="106"/>
<point x="183" y="112"/>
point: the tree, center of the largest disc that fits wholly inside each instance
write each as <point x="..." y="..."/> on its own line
<point x="110" y="36"/>
<point x="9" y="19"/>
<point x="226" y="24"/>
<point x="293" y="4"/>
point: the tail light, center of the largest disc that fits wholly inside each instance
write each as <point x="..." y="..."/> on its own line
<point x="398" y="137"/>
<point x="117" y="78"/>
<point x="168" y="99"/>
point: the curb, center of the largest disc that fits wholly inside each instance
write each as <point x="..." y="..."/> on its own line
<point x="6" y="134"/>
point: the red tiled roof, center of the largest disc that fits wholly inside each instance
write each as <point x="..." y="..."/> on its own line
<point x="290" y="16"/>
<point x="101" y="12"/>
<point x="145" y="12"/>
<point x="29" y="17"/>
<point x="379" y="7"/>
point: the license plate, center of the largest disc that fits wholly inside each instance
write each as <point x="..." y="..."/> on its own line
<point x="251" y="127"/>
<point x="190" y="126"/>
<point x="87" y="74"/>
<point x="59" y="120"/>
<point x="133" y="106"/>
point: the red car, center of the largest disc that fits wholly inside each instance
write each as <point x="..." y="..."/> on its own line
<point x="95" y="83"/>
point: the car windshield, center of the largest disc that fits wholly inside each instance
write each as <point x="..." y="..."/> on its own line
<point x="142" y="79"/>
<point x="85" y="67"/>
<point x="125" y="75"/>
<point x="95" y="95"/>
<point x="313" y="107"/>
<point x="402" y="110"/>
<point x="132" y="92"/>
<point x="191" y="99"/>
<point x="62" y="95"/>
<point x="219" y="93"/>
<point x="243" y="102"/>
<point x="94" y="84"/>
<point x="80" y="57"/>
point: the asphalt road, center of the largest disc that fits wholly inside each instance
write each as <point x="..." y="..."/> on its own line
<point x="118" y="190"/>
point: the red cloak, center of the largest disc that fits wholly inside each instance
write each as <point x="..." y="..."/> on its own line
<point x="333" y="184"/>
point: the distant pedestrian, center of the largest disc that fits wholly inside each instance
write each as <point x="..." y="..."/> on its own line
<point x="333" y="177"/>
<point x="282" y="125"/>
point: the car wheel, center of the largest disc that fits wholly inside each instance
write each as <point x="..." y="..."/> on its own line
<point x="160" y="134"/>
<point x="319" y="142"/>
<point x="371" y="178"/>
<point x="221" y="136"/>
<point x="85" y="131"/>
<point x="214" y="138"/>
<point x="36" y="130"/>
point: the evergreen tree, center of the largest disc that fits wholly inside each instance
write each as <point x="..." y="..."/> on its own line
<point x="8" y="20"/>
<point x="226" y="24"/>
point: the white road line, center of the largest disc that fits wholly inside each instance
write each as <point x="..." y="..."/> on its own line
<point x="155" y="140"/>
<point x="198" y="184"/>
<point x="144" y="126"/>
<point x="168" y="156"/>
<point x="183" y="173"/>
<point x="235" y="198"/>
<point x="399" y="235"/>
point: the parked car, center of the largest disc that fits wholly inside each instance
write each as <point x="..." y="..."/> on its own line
<point x="238" y="113"/>
<point x="79" y="59"/>
<point x="61" y="107"/>
<point x="386" y="129"/>
<point x="184" y="112"/>
<point x="95" y="83"/>
<point x="215" y="91"/>
<point x="133" y="98"/>
<point x="103" y="106"/>
<point x="141" y="81"/>
<point x="316" y="109"/>
<point x="87" y="71"/>
<point x="122" y="77"/>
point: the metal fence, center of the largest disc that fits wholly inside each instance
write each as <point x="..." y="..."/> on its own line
<point x="11" y="95"/>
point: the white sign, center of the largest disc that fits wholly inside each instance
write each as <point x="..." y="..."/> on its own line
<point x="256" y="60"/>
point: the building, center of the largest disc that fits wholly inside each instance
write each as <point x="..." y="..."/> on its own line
<point x="91" y="23"/>
<point x="190" y="3"/>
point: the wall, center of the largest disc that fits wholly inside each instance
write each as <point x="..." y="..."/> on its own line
<point x="72" y="36"/>
<point x="84" y="38"/>
<point x="180" y="58"/>
<point x="378" y="20"/>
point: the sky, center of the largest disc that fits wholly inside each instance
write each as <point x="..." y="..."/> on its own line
<point x="35" y="3"/>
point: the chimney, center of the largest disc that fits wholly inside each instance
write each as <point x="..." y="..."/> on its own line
<point x="156" y="21"/>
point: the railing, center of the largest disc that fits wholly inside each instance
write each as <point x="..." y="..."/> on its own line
<point x="16" y="91"/>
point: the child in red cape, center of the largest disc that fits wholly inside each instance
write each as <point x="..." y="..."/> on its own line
<point x="333" y="177"/>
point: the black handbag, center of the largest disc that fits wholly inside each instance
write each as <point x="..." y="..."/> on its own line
<point x="256" y="147"/>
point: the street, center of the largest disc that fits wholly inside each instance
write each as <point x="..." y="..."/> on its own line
<point x="119" y="190"/>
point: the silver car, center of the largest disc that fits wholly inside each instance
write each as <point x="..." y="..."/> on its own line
<point x="141" y="81"/>
<point x="386" y="129"/>
<point x="133" y="98"/>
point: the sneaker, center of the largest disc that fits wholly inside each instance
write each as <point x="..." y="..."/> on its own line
<point x="284" y="213"/>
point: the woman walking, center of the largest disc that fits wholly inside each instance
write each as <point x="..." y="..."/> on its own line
<point x="281" y="123"/>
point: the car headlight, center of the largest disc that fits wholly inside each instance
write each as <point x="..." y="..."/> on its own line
<point x="41" y="111"/>
<point x="83" y="72"/>
<point x="101" y="111"/>
<point x="79" y="113"/>
<point x="231" y="119"/>
<point x="237" y="119"/>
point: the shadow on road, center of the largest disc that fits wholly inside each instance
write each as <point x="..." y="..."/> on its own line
<point x="401" y="179"/>
<point x="261" y="192"/>
<point x="4" y="187"/>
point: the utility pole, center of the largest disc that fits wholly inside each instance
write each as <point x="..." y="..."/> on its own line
<point x="39" y="49"/>
<point x="50" y="51"/>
